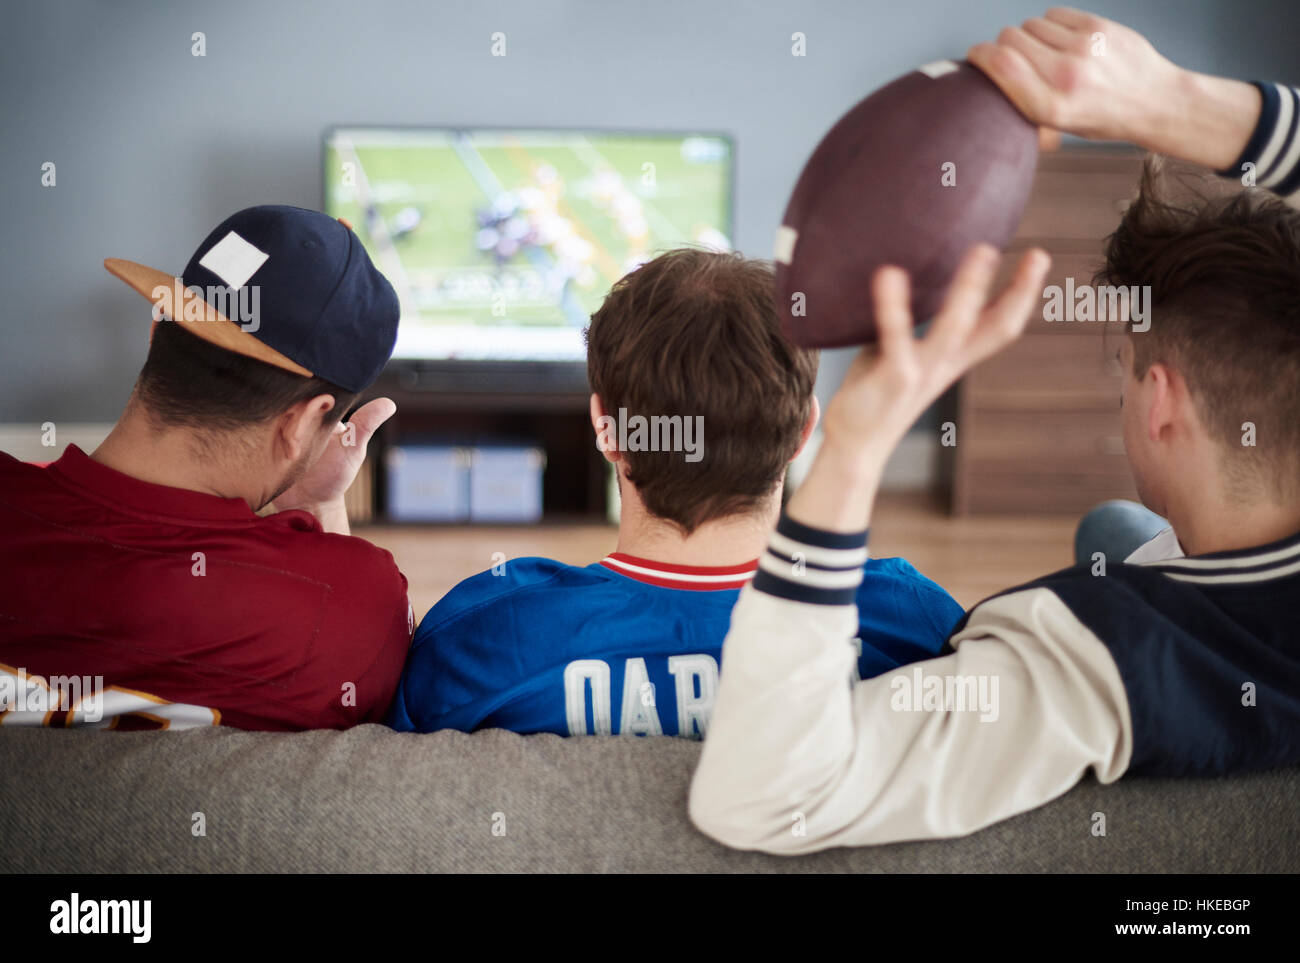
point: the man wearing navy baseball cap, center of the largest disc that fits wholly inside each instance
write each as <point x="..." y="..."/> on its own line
<point x="145" y="566"/>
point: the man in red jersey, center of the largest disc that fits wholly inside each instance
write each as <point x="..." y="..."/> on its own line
<point x="141" y="588"/>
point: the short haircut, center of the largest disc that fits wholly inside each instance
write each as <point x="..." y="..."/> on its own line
<point x="1224" y="276"/>
<point x="190" y="382"/>
<point x="696" y="333"/>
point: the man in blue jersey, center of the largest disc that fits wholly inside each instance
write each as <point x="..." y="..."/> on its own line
<point x="1185" y="664"/>
<point x="700" y="403"/>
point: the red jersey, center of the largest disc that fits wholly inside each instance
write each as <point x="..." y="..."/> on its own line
<point x="126" y="602"/>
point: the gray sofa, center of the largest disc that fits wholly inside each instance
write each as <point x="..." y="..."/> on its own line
<point x="371" y="800"/>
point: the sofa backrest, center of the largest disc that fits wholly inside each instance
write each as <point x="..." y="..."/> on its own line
<point x="372" y="800"/>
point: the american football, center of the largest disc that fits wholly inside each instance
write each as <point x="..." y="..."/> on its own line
<point x="914" y="175"/>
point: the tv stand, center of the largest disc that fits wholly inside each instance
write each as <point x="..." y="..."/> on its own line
<point x="476" y="403"/>
<point x="470" y="378"/>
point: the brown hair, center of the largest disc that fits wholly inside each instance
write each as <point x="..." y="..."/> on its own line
<point x="1223" y="268"/>
<point x="190" y="382"/>
<point x="696" y="333"/>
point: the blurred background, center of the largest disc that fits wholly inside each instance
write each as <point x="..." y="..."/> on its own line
<point x="489" y="147"/>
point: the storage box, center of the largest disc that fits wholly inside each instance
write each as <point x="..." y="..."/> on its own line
<point x="506" y="483"/>
<point x="428" y="483"/>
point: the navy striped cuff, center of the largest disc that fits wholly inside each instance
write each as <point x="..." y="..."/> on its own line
<point x="807" y="564"/>
<point x="1274" y="146"/>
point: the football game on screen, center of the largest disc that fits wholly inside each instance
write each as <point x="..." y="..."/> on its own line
<point x="501" y="244"/>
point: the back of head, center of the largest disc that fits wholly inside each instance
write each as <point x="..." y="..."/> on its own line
<point x="1223" y="269"/>
<point x="188" y="382"/>
<point x="695" y="334"/>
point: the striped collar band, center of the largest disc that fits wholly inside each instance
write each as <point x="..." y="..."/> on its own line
<point x="693" y="577"/>
<point x="1262" y="563"/>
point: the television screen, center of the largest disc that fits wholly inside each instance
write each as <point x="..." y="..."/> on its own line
<point x="501" y="243"/>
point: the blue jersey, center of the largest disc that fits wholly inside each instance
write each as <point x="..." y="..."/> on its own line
<point x="622" y="646"/>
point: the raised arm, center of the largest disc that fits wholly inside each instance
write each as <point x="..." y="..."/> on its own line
<point x="1086" y="75"/>
<point x="796" y="758"/>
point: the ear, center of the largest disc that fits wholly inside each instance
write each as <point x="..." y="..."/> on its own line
<point x="814" y="416"/>
<point x="297" y="428"/>
<point x="606" y="429"/>
<point x="1164" y="399"/>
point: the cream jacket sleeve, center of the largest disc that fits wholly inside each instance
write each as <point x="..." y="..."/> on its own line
<point x="798" y="758"/>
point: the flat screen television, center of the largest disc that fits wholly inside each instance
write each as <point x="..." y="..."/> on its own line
<point x="501" y="243"/>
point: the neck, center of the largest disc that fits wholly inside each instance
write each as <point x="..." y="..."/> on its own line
<point x="174" y="457"/>
<point x="731" y="540"/>
<point x="1223" y="529"/>
<point x="1222" y="518"/>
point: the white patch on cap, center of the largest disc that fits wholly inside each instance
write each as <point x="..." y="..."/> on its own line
<point x="233" y="260"/>
<point x="938" y="68"/>
<point x="786" y="237"/>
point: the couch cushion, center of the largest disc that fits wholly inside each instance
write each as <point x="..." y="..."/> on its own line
<point x="372" y="800"/>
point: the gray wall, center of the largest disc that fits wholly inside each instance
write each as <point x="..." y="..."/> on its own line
<point x="153" y="146"/>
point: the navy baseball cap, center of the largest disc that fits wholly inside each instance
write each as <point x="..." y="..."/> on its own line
<point x="288" y="286"/>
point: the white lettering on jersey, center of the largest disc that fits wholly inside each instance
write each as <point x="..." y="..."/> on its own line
<point x="695" y="680"/>
<point x="576" y="676"/>
<point x="640" y="716"/>
<point x="693" y="710"/>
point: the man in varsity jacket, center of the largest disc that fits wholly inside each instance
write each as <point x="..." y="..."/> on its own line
<point x="1180" y="666"/>
<point x="700" y="403"/>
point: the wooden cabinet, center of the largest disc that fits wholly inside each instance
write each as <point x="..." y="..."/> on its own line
<point x="1038" y="426"/>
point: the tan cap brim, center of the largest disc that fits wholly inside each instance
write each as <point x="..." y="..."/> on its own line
<point x="162" y="290"/>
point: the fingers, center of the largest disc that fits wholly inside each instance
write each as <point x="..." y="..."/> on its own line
<point x="891" y="292"/>
<point x="1017" y="79"/>
<point x="1055" y="35"/>
<point x="1072" y="18"/>
<point x="966" y="298"/>
<point x="1041" y="57"/>
<point x="367" y="419"/>
<point x="1002" y="321"/>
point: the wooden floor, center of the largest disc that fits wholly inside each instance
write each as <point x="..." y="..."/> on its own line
<point x="971" y="557"/>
